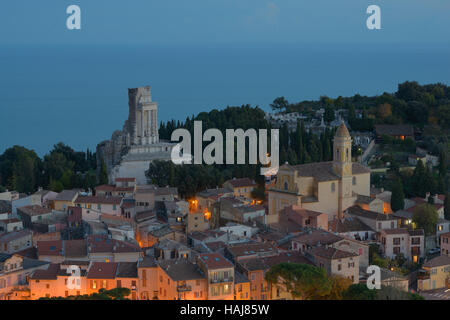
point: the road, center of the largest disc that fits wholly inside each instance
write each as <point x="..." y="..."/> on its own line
<point x="438" y="294"/>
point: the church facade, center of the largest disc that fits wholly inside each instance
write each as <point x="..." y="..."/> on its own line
<point x="129" y="152"/>
<point x="329" y="187"/>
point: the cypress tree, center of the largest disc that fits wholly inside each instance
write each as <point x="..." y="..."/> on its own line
<point x="398" y="196"/>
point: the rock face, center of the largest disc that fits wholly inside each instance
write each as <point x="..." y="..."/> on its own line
<point x="130" y="151"/>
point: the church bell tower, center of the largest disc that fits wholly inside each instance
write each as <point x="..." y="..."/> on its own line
<point x="342" y="167"/>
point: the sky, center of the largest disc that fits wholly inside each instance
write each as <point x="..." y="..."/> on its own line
<point x="175" y="22"/>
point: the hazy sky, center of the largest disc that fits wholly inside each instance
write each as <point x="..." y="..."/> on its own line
<point x="223" y="21"/>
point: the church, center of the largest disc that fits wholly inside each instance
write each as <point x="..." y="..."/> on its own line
<point x="328" y="187"/>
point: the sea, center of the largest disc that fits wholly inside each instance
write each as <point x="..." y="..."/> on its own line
<point x="78" y="94"/>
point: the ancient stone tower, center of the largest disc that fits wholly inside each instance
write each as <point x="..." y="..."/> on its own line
<point x="142" y="124"/>
<point x="129" y="152"/>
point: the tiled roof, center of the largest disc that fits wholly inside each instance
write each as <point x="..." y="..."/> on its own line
<point x="101" y="244"/>
<point x="10" y="236"/>
<point x="147" y="262"/>
<point x="249" y="249"/>
<point x="443" y="260"/>
<point x="316" y="237"/>
<point x="66" y="195"/>
<point x="127" y="270"/>
<point x="50" y="248"/>
<point x="34" y="210"/>
<point x="213" y="192"/>
<point x="323" y="171"/>
<point x="215" y="261"/>
<point x="99" y="199"/>
<point x="358" y="211"/>
<point x="181" y="270"/>
<point x="102" y="270"/>
<point x="331" y="253"/>
<point x="349" y="224"/>
<point x="242" y="182"/>
<point x="47" y="274"/>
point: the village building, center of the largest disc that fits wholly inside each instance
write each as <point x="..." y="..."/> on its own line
<point x="16" y="241"/>
<point x="409" y="243"/>
<point x="242" y="187"/>
<point x="328" y="187"/>
<point x="336" y="262"/>
<point x="65" y="199"/>
<point x="435" y="274"/>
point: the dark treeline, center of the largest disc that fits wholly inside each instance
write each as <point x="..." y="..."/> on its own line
<point x="412" y="103"/>
<point x="62" y="168"/>
<point x="296" y="147"/>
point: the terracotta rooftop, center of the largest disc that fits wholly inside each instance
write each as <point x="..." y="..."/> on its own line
<point x="99" y="199"/>
<point x="47" y="274"/>
<point x="358" y="211"/>
<point x="10" y="236"/>
<point x="331" y="253"/>
<point x="127" y="270"/>
<point x="66" y="195"/>
<point x="215" y="261"/>
<point x="34" y="210"/>
<point x="323" y="171"/>
<point x="242" y="182"/>
<point x="249" y="249"/>
<point x="181" y="270"/>
<point x="316" y="237"/>
<point x="348" y="224"/>
<point x="443" y="260"/>
<point x="102" y="270"/>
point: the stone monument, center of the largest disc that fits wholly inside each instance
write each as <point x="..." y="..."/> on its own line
<point x="130" y="151"/>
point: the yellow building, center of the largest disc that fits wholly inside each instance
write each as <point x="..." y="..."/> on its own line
<point x="65" y="199"/>
<point x="329" y="187"/>
<point x="435" y="274"/>
<point x="241" y="187"/>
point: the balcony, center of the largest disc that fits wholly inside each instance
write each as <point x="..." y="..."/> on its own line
<point x="224" y="280"/>
<point x="184" y="288"/>
<point x="423" y="275"/>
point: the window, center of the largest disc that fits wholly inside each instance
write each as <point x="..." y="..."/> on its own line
<point x="286" y="186"/>
<point x="339" y="267"/>
<point x="333" y="187"/>
<point x="392" y="225"/>
<point x="104" y="284"/>
<point x="415" y="240"/>
<point x="396" y="250"/>
<point x="397" y="241"/>
<point x="119" y="283"/>
<point x="354" y="181"/>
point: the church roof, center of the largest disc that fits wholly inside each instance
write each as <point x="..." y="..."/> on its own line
<point x="342" y="131"/>
<point x="323" y="171"/>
